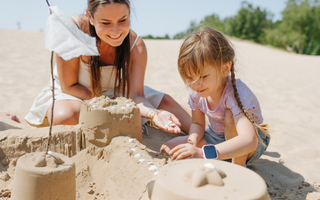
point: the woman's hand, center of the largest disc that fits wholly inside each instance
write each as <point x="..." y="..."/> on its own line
<point x="187" y="150"/>
<point x="162" y="118"/>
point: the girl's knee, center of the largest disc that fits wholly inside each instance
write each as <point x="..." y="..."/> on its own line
<point x="166" y="147"/>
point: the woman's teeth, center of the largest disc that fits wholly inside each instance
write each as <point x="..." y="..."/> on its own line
<point x="114" y="37"/>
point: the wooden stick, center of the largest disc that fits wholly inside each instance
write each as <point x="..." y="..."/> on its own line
<point x="52" y="89"/>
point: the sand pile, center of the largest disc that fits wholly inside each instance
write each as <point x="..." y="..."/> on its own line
<point x="106" y="147"/>
<point x="44" y="176"/>
<point x="208" y="179"/>
<point x="102" y="118"/>
<point x="119" y="171"/>
<point x="286" y="85"/>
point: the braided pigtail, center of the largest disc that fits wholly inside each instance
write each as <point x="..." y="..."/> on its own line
<point x="262" y="127"/>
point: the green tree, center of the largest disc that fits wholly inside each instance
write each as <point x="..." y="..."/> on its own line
<point x="193" y="26"/>
<point x="299" y="29"/>
<point x="249" y="23"/>
<point x="148" y="37"/>
<point x="157" y="37"/>
<point x="214" y="22"/>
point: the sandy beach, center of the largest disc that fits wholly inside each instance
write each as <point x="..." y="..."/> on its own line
<point x="286" y="85"/>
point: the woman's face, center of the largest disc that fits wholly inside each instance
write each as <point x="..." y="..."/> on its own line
<point x="112" y="24"/>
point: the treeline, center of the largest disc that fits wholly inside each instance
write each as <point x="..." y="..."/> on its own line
<point x="157" y="37"/>
<point x="298" y="30"/>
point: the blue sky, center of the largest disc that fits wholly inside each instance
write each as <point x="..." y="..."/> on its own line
<point x="155" y="17"/>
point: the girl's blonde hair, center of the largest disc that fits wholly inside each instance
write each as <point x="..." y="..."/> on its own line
<point x="209" y="47"/>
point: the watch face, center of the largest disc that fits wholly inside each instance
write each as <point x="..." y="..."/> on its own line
<point x="210" y="152"/>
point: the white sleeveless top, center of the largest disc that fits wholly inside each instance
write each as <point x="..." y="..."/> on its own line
<point x="108" y="75"/>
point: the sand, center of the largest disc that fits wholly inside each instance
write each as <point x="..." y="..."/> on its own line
<point x="44" y="176"/>
<point x="286" y="85"/>
<point x="206" y="180"/>
<point x="102" y="119"/>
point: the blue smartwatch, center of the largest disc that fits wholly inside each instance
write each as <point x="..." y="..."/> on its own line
<point x="209" y="152"/>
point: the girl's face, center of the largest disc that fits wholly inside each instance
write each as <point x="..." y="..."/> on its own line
<point x="211" y="82"/>
<point x="111" y="22"/>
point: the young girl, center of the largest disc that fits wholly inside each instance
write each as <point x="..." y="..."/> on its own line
<point x="206" y="65"/>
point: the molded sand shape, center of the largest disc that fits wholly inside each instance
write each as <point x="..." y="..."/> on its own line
<point x="44" y="176"/>
<point x="207" y="179"/>
<point x="102" y="118"/>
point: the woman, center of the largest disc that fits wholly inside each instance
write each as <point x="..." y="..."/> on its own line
<point x="118" y="71"/>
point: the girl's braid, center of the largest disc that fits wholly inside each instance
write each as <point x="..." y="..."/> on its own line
<point x="262" y="127"/>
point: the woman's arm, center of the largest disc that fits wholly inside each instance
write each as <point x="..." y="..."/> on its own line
<point x="68" y="75"/>
<point x="139" y="63"/>
<point x="245" y="142"/>
<point x="68" y="71"/>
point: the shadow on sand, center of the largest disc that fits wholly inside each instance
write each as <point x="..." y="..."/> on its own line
<point x="282" y="182"/>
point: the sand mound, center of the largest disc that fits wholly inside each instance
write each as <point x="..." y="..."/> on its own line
<point x="208" y="179"/>
<point x="102" y="118"/>
<point x="113" y="172"/>
<point x="103" y="172"/>
<point x="44" y="176"/>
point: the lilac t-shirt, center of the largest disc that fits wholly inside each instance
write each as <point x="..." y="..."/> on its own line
<point x="216" y="117"/>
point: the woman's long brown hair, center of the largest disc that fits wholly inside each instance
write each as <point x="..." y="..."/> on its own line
<point x="122" y="60"/>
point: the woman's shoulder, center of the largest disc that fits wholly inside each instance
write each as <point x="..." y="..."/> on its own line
<point x="137" y="44"/>
<point x="80" y="21"/>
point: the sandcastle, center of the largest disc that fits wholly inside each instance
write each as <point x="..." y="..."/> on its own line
<point x="44" y="176"/>
<point x="102" y="118"/>
<point x="207" y="179"/>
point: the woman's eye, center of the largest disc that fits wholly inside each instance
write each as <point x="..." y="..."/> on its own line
<point x="106" y="23"/>
<point x="121" y="21"/>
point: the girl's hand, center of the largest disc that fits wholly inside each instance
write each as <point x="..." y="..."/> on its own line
<point x="160" y="119"/>
<point x="187" y="150"/>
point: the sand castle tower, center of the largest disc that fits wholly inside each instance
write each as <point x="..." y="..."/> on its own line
<point x="207" y="179"/>
<point x="44" y="176"/>
<point x="102" y="118"/>
<point x="52" y="176"/>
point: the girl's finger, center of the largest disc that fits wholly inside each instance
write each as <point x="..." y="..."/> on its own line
<point x="176" y="148"/>
<point x="178" y="153"/>
<point x="183" y="155"/>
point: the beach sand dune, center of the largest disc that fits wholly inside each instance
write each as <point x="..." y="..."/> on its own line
<point x="286" y="85"/>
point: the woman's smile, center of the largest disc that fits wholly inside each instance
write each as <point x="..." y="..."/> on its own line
<point x="115" y="37"/>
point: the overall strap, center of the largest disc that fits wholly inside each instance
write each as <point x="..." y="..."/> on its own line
<point x="76" y="21"/>
<point x="135" y="42"/>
